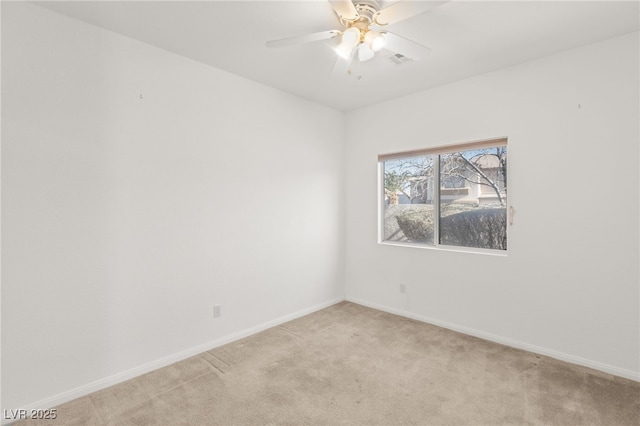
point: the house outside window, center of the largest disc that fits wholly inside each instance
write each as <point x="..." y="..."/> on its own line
<point x="449" y="196"/>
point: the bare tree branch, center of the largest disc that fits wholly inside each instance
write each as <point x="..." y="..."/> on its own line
<point x="481" y="173"/>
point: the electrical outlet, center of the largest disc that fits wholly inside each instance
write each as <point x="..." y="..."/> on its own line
<point x="217" y="311"/>
<point x="403" y="288"/>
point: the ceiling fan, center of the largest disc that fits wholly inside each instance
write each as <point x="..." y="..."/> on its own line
<point x="363" y="33"/>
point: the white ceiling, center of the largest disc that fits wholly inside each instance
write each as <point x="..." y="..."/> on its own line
<point x="466" y="37"/>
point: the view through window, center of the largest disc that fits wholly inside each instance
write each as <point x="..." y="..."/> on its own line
<point x="456" y="196"/>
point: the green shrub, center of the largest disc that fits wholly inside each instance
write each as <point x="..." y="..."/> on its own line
<point x="483" y="228"/>
<point x="417" y="225"/>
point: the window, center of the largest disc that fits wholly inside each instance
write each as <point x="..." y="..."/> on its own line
<point x="451" y="196"/>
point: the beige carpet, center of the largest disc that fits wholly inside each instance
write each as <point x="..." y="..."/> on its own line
<point x="352" y="365"/>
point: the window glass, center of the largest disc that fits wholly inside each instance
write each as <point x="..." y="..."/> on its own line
<point x="408" y="199"/>
<point x="453" y="198"/>
<point x="474" y="213"/>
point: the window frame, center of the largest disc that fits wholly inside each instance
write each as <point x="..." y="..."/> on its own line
<point x="436" y="152"/>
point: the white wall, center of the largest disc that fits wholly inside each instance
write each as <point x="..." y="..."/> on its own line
<point x="125" y="219"/>
<point x="569" y="286"/>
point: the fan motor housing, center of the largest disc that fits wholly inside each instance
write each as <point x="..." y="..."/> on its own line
<point x="366" y="9"/>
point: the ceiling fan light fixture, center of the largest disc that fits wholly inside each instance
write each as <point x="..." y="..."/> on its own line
<point x="344" y="51"/>
<point x="349" y="40"/>
<point x="364" y="52"/>
<point x="375" y="40"/>
<point x="350" y="37"/>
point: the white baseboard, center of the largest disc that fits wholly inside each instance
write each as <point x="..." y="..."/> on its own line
<point x="606" y="368"/>
<point x="163" y="362"/>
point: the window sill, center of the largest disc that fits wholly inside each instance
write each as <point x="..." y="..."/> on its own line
<point x="439" y="247"/>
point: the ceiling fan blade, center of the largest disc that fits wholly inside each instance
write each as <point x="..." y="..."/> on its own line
<point x="345" y="9"/>
<point x="340" y="68"/>
<point x="307" y="38"/>
<point x="404" y="46"/>
<point x="402" y="10"/>
<point x="343" y="66"/>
